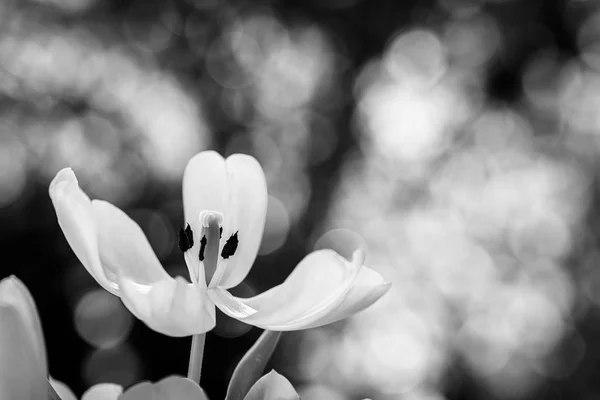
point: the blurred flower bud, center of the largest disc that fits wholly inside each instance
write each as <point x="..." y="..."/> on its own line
<point x="62" y="391"/>
<point x="170" y="388"/>
<point x="23" y="369"/>
<point x="103" y="391"/>
<point x="272" y="386"/>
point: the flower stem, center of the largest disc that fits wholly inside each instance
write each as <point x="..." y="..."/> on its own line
<point x="196" y="355"/>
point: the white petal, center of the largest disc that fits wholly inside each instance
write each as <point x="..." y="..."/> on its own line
<point x="367" y="288"/>
<point x="23" y="372"/>
<point x="123" y="247"/>
<point x="272" y="386"/>
<point x="172" y="307"/>
<point x="322" y="289"/>
<point x="247" y="211"/>
<point x="14" y="294"/>
<point x="170" y="388"/>
<point x="103" y="391"/>
<point x="62" y="390"/>
<point x="204" y="188"/>
<point x="237" y="188"/>
<point x="76" y="219"/>
<point x="104" y="238"/>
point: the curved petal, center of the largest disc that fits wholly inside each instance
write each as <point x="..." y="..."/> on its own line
<point x="62" y="390"/>
<point x="103" y="391"/>
<point x="237" y="188"/>
<point x="322" y="289"/>
<point x="75" y="217"/>
<point x="104" y="238"/>
<point x="272" y="386"/>
<point x="170" y="388"/>
<point x="14" y="294"/>
<point x="23" y="368"/>
<point x="22" y="375"/>
<point x="172" y="307"/>
<point x="246" y="215"/>
<point x="367" y="288"/>
<point x="124" y="249"/>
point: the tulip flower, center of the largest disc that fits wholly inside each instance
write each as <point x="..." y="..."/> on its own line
<point x="23" y="370"/>
<point x="23" y="366"/>
<point x="225" y="203"/>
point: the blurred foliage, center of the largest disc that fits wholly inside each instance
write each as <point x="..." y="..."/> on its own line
<point x="456" y="140"/>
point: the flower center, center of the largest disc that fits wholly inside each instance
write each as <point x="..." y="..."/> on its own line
<point x="209" y="243"/>
<point x="211" y="223"/>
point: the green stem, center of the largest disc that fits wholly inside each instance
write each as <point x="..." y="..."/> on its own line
<point x="196" y="355"/>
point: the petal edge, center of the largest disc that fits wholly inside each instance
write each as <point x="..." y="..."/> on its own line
<point x="305" y="301"/>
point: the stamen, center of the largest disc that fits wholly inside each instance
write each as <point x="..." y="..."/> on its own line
<point x="202" y="248"/>
<point x="189" y="234"/>
<point x="230" y="246"/>
<point x="186" y="239"/>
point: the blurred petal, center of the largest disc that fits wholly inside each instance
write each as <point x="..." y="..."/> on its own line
<point x="23" y="368"/>
<point x="103" y="391"/>
<point x="62" y="390"/>
<point x="170" y="388"/>
<point x="76" y="219"/>
<point x="124" y="249"/>
<point x="246" y="214"/>
<point x="14" y="294"/>
<point x="322" y="289"/>
<point x="172" y="307"/>
<point x="22" y="375"/>
<point x="272" y="386"/>
<point x="237" y="188"/>
<point x="251" y="367"/>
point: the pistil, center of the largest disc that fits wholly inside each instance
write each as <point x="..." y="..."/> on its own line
<point x="209" y="243"/>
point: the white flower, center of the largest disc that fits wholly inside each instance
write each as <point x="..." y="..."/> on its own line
<point x="225" y="203"/>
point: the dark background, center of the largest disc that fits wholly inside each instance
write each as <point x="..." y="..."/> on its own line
<point x="44" y="94"/>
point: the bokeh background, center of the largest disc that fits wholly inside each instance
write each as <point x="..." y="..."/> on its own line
<point x="458" y="141"/>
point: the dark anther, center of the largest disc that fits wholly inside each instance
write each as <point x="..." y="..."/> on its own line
<point x="186" y="239"/>
<point x="189" y="234"/>
<point x="231" y="246"/>
<point x="202" y="246"/>
<point x="220" y="232"/>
